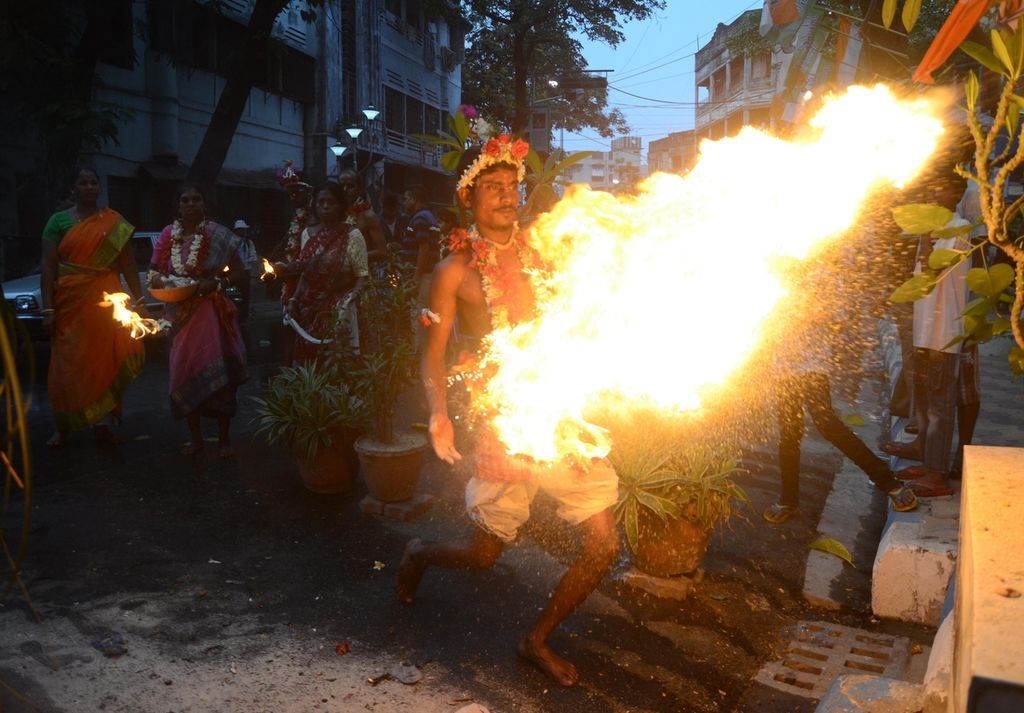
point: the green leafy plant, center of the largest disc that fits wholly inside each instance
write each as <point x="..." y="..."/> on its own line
<point x="307" y="407"/>
<point x="386" y="361"/>
<point x="996" y="310"/>
<point x="667" y="470"/>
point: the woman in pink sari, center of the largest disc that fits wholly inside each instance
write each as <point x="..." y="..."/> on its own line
<point x="92" y="358"/>
<point x="208" y="354"/>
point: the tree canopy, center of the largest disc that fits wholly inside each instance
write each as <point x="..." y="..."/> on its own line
<point x="538" y="39"/>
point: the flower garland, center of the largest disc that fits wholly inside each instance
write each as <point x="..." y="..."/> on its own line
<point x="499" y="287"/>
<point x="360" y="206"/>
<point x="198" y="249"/>
<point x="294" y="243"/>
<point x="501" y="149"/>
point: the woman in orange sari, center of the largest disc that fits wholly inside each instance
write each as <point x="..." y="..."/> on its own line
<point x="86" y="249"/>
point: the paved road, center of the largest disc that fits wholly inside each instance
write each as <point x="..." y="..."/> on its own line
<point x="231" y="586"/>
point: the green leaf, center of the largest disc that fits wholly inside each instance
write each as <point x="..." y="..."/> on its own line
<point x="832" y="546"/>
<point x="921" y="218"/>
<point x="955" y="340"/>
<point x="911" y="9"/>
<point x="1012" y="118"/>
<point x="450" y="160"/>
<point x="1016" y="359"/>
<point x="915" y="288"/>
<point x="954" y="232"/>
<point x="983" y="55"/>
<point x="971" y="91"/>
<point x="853" y="419"/>
<point x="942" y="258"/>
<point x="978" y="307"/>
<point x="460" y="126"/>
<point x="533" y="162"/>
<point x="1000" y="51"/>
<point x="1000" y="326"/>
<point x="662" y="507"/>
<point x="888" y="12"/>
<point x="632" y="526"/>
<point x="990" y="282"/>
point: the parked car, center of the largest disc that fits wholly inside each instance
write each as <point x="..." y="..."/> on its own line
<point x="24" y="294"/>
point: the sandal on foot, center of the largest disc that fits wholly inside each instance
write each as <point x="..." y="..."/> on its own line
<point x="912" y="472"/>
<point x="929" y="490"/>
<point x="902" y="450"/>
<point x="778" y="513"/>
<point x="902" y="499"/>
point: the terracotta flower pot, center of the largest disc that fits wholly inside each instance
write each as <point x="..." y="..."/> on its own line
<point x="332" y="470"/>
<point x="392" y="471"/>
<point x="670" y="547"/>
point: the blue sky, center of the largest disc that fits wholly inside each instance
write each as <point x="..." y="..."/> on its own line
<point x="656" y="61"/>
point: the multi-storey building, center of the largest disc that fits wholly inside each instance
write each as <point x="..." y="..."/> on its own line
<point x="619" y="168"/>
<point x="733" y="89"/>
<point x="673" y="154"/>
<point x="382" y="56"/>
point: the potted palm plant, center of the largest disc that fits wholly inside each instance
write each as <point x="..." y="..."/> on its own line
<point x="385" y="365"/>
<point x="317" y="415"/>
<point x="674" y="489"/>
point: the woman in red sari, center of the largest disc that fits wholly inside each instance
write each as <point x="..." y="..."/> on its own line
<point x="92" y="358"/>
<point x="332" y="267"/>
<point x="207" y="356"/>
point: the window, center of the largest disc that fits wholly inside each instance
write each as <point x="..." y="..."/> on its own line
<point x="413" y="116"/>
<point x="736" y="74"/>
<point x="759" y="66"/>
<point x="394" y="110"/>
<point x="431" y="120"/>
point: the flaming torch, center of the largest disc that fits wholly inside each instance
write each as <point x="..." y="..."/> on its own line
<point x="268" y="271"/>
<point x="138" y="325"/>
<point x="662" y="297"/>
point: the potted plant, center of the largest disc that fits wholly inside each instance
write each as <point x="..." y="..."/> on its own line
<point x="385" y="365"/>
<point x="674" y="489"/>
<point x="317" y="415"/>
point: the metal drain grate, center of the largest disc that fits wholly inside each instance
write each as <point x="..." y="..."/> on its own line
<point x="821" y="651"/>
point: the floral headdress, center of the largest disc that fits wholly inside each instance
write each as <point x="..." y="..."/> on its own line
<point x="289" y="177"/>
<point x="501" y="149"/>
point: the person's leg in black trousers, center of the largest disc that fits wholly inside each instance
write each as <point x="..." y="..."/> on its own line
<point x="818" y="400"/>
<point x="790" y="413"/>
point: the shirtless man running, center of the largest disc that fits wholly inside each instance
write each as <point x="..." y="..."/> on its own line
<point x="498" y="496"/>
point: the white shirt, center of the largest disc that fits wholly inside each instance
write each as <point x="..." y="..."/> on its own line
<point x="937" y="318"/>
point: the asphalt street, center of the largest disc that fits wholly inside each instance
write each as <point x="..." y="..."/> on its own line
<point x="231" y="588"/>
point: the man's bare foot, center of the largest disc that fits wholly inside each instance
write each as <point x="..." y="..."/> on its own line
<point x="541" y="656"/>
<point x="224" y="450"/>
<point x="192" y="449"/>
<point x="410" y="572"/>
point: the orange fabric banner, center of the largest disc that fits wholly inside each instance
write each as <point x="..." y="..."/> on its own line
<point x="954" y="30"/>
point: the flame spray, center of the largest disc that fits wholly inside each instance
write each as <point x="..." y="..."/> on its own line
<point x="662" y="296"/>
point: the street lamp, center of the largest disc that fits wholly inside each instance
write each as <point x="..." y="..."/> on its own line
<point x="370" y="113"/>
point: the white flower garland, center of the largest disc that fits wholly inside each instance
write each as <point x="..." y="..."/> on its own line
<point x="177" y="243"/>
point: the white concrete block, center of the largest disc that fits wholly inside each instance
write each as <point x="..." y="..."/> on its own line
<point x="864" y="693"/>
<point x="938" y="679"/>
<point x="988" y="658"/>
<point x="911" y="572"/>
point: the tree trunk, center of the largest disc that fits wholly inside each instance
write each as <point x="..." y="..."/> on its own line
<point x="248" y="65"/>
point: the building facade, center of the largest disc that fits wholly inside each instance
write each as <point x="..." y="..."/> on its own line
<point x="620" y="168"/>
<point x="675" y="153"/>
<point x="381" y="56"/>
<point x="733" y="89"/>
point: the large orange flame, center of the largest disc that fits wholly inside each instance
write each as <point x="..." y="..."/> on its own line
<point x="664" y="295"/>
<point x="138" y="325"/>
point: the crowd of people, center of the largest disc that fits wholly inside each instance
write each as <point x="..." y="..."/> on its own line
<point x="334" y="242"/>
